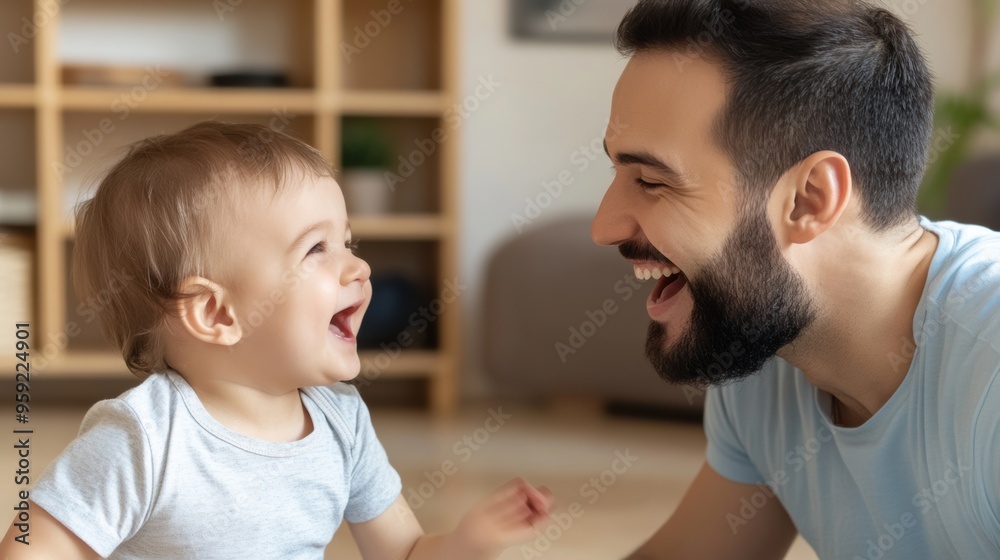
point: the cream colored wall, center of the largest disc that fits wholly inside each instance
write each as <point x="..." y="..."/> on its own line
<point x="555" y="98"/>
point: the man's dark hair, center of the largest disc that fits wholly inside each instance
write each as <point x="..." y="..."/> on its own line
<point x="806" y="76"/>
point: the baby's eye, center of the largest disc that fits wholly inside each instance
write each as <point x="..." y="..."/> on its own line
<point x="318" y="248"/>
<point x="352" y="245"/>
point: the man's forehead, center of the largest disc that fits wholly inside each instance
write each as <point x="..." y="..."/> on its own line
<point x="667" y="107"/>
<point x="669" y="91"/>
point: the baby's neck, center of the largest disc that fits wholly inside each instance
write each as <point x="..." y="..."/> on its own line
<point x="252" y="412"/>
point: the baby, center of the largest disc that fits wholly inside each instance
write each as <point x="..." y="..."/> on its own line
<point x="235" y="293"/>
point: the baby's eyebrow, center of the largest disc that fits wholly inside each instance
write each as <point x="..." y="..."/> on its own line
<point x="320" y="225"/>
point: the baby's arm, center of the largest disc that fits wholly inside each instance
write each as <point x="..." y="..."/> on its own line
<point x="505" y="518"/>
<point x="48" y="540"/>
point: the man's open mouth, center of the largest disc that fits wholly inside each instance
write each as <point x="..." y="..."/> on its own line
<point x="340" y="324"/>
<point x="669" y="279"/>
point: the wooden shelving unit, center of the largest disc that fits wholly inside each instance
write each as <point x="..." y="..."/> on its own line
<point x="407" y="79"/>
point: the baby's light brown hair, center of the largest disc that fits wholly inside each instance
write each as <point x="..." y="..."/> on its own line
<point x="161" y="215"/>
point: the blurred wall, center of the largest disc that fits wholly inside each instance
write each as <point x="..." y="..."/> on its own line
<point x="554" y="98"/>
<point x="547" y="105"/>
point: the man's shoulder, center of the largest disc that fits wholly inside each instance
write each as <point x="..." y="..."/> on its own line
<point x="963" y="286"/>
<point x="777" y="379"/>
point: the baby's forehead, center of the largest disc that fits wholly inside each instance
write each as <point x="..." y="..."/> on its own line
<point x="263" y="194"/>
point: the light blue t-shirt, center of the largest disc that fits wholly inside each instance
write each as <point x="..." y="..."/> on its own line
<point x="153" y="475"/>
<point x="921" y="478"/>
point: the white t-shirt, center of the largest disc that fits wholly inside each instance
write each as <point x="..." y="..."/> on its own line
<point x="153" y="475"/>
<point x="919" y="480"/>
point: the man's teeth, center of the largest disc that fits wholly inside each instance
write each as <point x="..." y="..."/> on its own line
<point x="645" y="272"/>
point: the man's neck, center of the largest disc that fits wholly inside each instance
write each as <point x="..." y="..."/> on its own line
<point x="861" y="345"/>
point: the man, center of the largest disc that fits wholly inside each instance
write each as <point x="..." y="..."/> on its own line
<point x="766" y="173"/>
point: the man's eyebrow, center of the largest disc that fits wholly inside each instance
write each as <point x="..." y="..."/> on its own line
<point x="320" y="225"/>
<point x="674" y="177"/>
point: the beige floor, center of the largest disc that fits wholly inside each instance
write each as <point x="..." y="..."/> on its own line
<point x="562" y="451"/>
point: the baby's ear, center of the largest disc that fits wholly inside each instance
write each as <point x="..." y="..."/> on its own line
<point x="207" y="313"/>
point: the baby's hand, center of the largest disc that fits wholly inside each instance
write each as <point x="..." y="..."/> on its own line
<point x="507" y="517"/>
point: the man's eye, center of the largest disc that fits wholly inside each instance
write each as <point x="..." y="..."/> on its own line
<point x="647" y="185"/>
<point x="317" y="248"/>
<point x="352" y="245"/>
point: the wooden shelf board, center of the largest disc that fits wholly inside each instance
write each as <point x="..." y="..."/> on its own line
<point x="188" y="100"/>
<point x="406" y="226"/>
<point x="16" y="95"/>
<point x="403" y="226"/>
<point x="410" y="363"/>
<point x="399" y="103"/>
<point x="95" y="364"/>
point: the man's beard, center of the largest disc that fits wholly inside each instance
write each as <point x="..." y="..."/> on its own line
<point x="748" y="304"/>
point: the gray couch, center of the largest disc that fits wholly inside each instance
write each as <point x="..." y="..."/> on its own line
<point x="564" y="317"/>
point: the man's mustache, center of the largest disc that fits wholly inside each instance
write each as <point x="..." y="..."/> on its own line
<point x="634" y="250"/>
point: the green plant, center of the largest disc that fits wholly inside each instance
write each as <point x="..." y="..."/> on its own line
<point x="363" y="145"/>
<point x="957" y="119"/>
<point x="959" y="116"/>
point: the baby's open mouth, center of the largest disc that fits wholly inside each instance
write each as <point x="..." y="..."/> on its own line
<point x="340" y="324"/>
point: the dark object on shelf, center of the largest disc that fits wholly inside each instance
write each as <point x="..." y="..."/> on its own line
<point x="249" y="79"/>
<point x="394" y="308"/>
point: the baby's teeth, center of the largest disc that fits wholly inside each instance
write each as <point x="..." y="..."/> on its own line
<point x="647" y="274"/>
<point x="638" y="273"/>
<point x="675" y="270"/>
<point x="657" y="274"/>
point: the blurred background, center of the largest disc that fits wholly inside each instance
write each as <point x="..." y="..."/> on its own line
<point x="467" y="139"/>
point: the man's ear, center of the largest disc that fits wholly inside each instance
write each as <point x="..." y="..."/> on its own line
<point x="207" y="312"/>
<point x="812" y="196"/>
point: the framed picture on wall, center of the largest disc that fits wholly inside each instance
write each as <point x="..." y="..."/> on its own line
<point x="567" y="20"/>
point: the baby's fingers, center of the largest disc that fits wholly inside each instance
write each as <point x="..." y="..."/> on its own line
<point x="540" y="499"/>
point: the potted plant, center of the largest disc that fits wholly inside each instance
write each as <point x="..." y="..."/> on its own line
<point x="365" y="156"/>
<point x="960" y="116"/>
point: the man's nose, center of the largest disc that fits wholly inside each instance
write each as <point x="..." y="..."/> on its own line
<point x="614" y="223"/>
